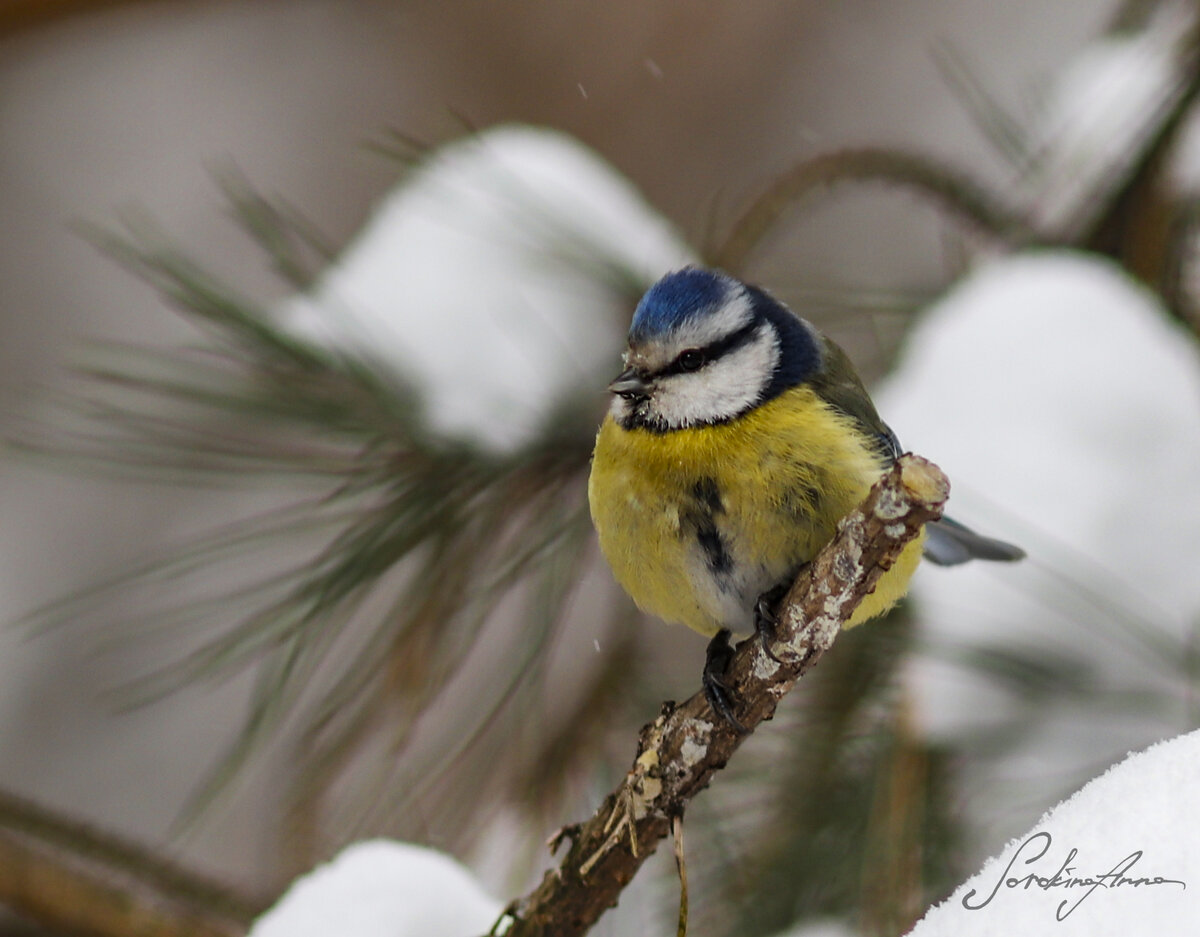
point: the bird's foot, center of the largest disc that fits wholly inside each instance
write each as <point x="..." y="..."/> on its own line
<point x="765" y="618"/>
<point x="717" y="690"/>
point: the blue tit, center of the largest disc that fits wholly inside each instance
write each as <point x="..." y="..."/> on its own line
<point x="737" y="437"/>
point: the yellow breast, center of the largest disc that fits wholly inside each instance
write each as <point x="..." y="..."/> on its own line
<point x="697" y="523"/>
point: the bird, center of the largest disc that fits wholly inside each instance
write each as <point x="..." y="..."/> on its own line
<point x="737" y="437"/>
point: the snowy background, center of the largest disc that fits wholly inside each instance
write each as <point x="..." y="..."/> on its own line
<point x="1094" y="865"/>
<point x="1053" y="388"/>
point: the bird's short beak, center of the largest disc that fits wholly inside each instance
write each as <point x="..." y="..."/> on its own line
<point x="629" y="384"/>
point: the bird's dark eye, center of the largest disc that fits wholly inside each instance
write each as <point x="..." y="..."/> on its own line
<point x="691" y="360"/>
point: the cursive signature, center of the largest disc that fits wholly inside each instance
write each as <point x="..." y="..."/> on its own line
<point x="1066" y="878"/>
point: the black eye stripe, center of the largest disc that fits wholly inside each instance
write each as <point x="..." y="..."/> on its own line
<point x="714" y="350"/>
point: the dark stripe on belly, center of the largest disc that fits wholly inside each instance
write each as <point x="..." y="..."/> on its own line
<point x="700" y="519"/>
<point x="717" y="557"/>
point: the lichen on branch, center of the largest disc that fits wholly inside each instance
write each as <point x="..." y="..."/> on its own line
<point x="680" y="751"/>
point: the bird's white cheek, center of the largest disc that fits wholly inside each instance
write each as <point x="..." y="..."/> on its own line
<point x="723" y="389"/>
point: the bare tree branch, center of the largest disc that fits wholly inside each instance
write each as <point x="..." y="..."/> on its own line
<point x="686" y="745"/>
<point x="72" y="878"/>
<point x="19" y="15"/>
<point x="954" y="191"/>
<point x="78" y="881"/>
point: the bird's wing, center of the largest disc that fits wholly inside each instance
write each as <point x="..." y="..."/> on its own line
<point x="947" y="542"/>
<point x="839" y="385"/>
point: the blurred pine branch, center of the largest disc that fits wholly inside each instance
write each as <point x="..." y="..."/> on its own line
<point x="426" y="581"/>
<point x="429" y="532"/>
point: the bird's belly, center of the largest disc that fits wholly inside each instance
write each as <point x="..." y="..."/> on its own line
<point x="696" y="525"/>
<point x="686" y="563"/>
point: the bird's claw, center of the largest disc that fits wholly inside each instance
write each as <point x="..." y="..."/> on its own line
<point x="765" y="619"/>
<point x="717" y="690"/>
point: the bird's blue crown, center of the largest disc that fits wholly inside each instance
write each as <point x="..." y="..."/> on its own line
<point x="676" y="298"/>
